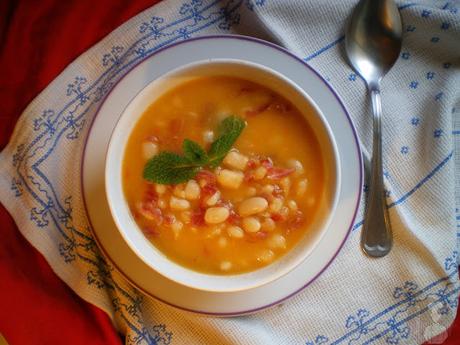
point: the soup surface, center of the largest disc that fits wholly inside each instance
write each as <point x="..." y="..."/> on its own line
<point x="252" y="208"/>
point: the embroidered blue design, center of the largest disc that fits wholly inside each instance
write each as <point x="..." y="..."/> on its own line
<point x="407" y="292"/>
<point x="45" y="121"/>
<point x="352" y="77"/>
<point x="439" y="96"/>
<point x="413" y="84"/>
<point x="415" y="121"/>
<point x="404" y="150"/>
<point x="405" y="55"/>
<point x="251" y="4"/>
<point x="75" y="89"/>
<point x="391" y="324"/>
<point x="230" y="18"/>
<point x="320" y="339"/>
<point x="447" y="300"/>
<point x="113" y="57"/>
<point x="194" y="9"/>
<point x="157" y="335"/>
<point x="426" y="13"/>
<point x="437" y="133"/>
<point x="16" y="186"/>
<point x="430" y="75"/>
<point x="452" y="262"/>
<point x="356" y="322"/>
<point x="153" y="27"/>
<point x="397" y="331"/>
<point x="445" y="26"/>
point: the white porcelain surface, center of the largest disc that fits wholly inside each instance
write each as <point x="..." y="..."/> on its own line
<point x="137" y="270"/>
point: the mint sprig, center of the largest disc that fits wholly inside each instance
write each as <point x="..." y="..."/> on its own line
<point x="172" y="168"/>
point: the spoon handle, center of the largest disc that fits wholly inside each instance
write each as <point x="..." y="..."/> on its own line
<point x="376" y="237"/>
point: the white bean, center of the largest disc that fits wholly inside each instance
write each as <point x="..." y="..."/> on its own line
<point x="269" y="188"/>
<point x="161" y="204"/>
<point x="260" y="173"/>
<point x="235" y="232"/>
<point x="214" y="232"/>
<point x="149" y="150"/>
<point x="251" y="191"/>
<point x="236" y="160"/>
<point x="145" y="213"/>
<point x="301" y="187"/>
<point x="192" y="190"/>
<point x="208" y="136"/>
<point x="276" y="204"/>
<point x="176" y="227"/>
<point x="230" y="179"/>
<point x="268" y="224"/>
<point x="213" y="199"/>
<point x="294" y="163"/>
<point x="179" y="191"/>
<point x="285" y="184"/>
<point x="225" y="265"/>
<point x="251" y="224"/>
<point x="216" y="215"/>
<point x="292" y="205"/>
<point x="277" y="241"/>
<point x="222" y="242"/>
<point x="160" y="188"/>
<point x="252" y="206"/>
<point x="178" y="204"/>
<point x="266" y="255"/>
<point x="186" y="216"/>
<point x="284" y="211"/>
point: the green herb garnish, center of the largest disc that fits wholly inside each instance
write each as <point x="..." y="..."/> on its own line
<point x="172" y="168"/>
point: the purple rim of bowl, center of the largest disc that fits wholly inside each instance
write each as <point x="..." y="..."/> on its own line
<point x="291" y="55"/>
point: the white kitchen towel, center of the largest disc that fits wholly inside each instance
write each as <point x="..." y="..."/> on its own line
<point x="404" y="298"/>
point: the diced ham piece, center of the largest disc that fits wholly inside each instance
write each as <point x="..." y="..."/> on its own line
<point x="257" y="110"/>
<point x="207" y="176"/>
<point x="197" y="218"/>
<point x="296" y="221"/>
<point x="206" y="192"/>
<point x="261" y="235"/>
<point x="234" y="218"/>
<point x="279" y="173"/>
<point x="151" y="231"/>
<point x="252" y="164"/>
<point x="277" y="217"/>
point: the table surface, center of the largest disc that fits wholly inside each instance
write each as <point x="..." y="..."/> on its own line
<point x="38" y="40"/>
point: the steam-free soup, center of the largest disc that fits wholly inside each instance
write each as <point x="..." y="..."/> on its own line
<point x="250" y="210"/>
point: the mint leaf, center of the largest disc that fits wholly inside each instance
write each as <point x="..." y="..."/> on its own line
<point x="194" y="152"/>
<point x="229" y="130"/>
<point x="169" y="168"/>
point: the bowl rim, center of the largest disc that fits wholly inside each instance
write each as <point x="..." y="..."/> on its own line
<point x="85" y="178"/>
<point x="164" y="265"/>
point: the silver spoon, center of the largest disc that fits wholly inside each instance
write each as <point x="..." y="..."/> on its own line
<point x="373" y="43"/>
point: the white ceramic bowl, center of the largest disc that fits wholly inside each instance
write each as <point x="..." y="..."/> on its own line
<point x="148" y="252"/>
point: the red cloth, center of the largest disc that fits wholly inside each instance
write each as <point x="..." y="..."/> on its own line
<point x="37" y="41"/>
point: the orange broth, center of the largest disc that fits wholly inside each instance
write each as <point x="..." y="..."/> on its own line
<point x="277" y="138"/>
